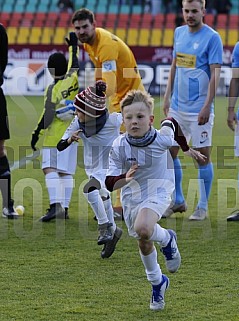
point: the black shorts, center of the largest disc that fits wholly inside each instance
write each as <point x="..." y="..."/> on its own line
<point x="4" y="131"/>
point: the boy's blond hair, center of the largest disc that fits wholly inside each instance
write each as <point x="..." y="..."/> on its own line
<point x="202" y="2"/>
<point x="136" y="96"/>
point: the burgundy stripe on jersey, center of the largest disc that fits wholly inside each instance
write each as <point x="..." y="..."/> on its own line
<point x="178" y="134"/>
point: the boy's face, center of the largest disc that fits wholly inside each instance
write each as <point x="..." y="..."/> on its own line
<point x="137" y="119"/>
<point x="83" y="118"/>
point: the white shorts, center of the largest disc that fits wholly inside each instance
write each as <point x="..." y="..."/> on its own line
<point x="200" y="135"/>
<point x="158" y="205"/>
<point x="64" y="162"/>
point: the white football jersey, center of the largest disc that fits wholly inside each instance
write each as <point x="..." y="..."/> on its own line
<point x="155" y="174"/>
<point x="97" y="147"/>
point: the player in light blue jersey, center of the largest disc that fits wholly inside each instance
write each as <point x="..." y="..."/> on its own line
<point x="192" y="84"/>
<point x="232" y="118"/>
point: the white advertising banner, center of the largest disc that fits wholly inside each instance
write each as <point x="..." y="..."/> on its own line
<point x="30" y="77"/>
<point x="26" y="77"/>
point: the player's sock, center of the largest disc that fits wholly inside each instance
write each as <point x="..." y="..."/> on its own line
<point x="97" y="206"/>
<point x="205" y="176"/>
<point x="152" y="268"/>
<point x="160" y="235"/>
<point x="179" y="198"/>
<point x="109" y="211"/>
<point x="54" y="187"/>
<point x="67" y="184"/>
<point x="5" y="181"/>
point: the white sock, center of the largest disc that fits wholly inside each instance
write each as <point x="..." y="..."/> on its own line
<point x="160" y="235"/>
<point x="97" y="206"/>
<point x="54" y="187"/>
<point x="67" y="184"/>
<point x="110" y="212"/>
<point x="152" y="268"/>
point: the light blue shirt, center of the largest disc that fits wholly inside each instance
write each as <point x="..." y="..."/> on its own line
<point x="194" y="53"/>
<point x="235" y="64"/>
<point x="235" y="56"/>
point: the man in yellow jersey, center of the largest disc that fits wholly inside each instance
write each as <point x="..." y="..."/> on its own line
<point x="113" y="60"/>
<point x="58" y="167"/>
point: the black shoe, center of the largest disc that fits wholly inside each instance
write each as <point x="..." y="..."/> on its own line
<point x="234" y="216"/>
<point x="109" y="247"/>
<point x="66" y="214"/>
<point x="64" y="217"/>
<point x="9" y="212"/>
<point x="55" y="211"/>
<point x="106" y="233"/>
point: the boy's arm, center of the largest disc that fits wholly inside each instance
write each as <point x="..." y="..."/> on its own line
<point x="46" y="118"/>
<point x="115" y="182"/>
<point x="73" y="63"/>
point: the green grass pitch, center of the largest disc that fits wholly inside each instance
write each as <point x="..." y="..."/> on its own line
<point x="54" y="271"/>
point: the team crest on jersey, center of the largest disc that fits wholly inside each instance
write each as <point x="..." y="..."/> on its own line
<point x="204" y="137"/>
<point x="108" y="66"/>
<point x="195" y="45"/>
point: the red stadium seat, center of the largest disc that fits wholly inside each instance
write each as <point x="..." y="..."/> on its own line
<point x="5" y="18"/>
<point x="16" y="19"/>
<point x="110" y="21"/>
<point x="158" y="21"/>
<point x="135" y="20"/>
<point x="233" y="22"/>
<point x="64" y="20"/>
<point x="101" y="19"/>
<point x="27" y="19"/>
<point x="209" y="19"/>
<point x="123" y="20"/>
<point x="170" y="20"/>
<point x="147" y="20"/>
<point x="221" y="21"/>
<point x="52" y="19"/>
<point x="39" y="20"/>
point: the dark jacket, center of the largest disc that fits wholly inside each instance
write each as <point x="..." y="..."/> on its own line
<point x="3" y="52"/>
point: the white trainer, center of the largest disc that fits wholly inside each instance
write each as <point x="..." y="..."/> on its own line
<point x="199" y="214"/>
<point x="171" y="253"/>
<point x="158" y="292"/>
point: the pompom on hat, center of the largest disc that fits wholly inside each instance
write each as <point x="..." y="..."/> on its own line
<point x="92" y="100"/>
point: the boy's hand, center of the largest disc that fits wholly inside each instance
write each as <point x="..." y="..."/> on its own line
<point x="35" y="137"/>
<point x="131" y="172"/>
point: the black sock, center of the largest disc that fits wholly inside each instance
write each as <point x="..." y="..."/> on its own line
<point x="5" y="181"/>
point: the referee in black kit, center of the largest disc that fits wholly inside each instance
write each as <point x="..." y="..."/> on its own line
<point x="5" y="174"/>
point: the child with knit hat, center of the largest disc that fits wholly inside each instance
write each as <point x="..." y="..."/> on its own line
<point x="97" y="129"/>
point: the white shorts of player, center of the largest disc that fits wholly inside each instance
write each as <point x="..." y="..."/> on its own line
<point x="155" y="203"/>
<point x="199" y="135"/>
<point x="64" y="162"/>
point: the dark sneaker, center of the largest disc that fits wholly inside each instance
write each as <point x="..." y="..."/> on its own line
<point x="109" y="247"/>
<point x="176" y="208"/>
<point x="66" y="214"/>
<point x="55" y="211"/>
<point x="171" y="253"/>
<point x="105" y="233"/>
<point x="158" y="292"/>
<point x="64" y="217"/>
<point x="233" y="217"/>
